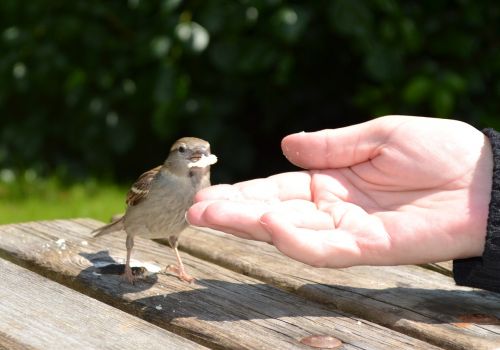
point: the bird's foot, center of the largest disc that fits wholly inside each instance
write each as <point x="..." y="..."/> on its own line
<point x="132" y="274"/>
<point x="180" y="273"/>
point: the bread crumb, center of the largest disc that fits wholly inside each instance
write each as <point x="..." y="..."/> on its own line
<point x="204" y="161"/>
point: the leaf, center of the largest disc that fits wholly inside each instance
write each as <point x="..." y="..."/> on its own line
<point x="417" y="90"/>
<point x="383" y="63"/>
<point x="351" y="17"/>
<point x="193" y="36"/>
<point x="443" y="102"/>
<point x="290" y="23"/>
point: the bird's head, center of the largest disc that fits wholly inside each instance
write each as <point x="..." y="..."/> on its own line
<point x="190" y="154"/>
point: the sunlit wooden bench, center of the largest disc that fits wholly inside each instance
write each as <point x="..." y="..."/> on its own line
<point x="53" y="295"/>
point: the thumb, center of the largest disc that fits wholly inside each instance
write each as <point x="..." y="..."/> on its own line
<point x="337" y="148"/>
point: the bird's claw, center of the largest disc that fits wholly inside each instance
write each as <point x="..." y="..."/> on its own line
<point x="180" y="273"/>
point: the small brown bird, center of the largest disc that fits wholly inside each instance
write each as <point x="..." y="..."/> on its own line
<point x="158" y="200"/>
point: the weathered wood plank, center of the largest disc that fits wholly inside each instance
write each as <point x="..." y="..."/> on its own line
<point x="444" y="267"/>
<point x="223" y="309"/>
<point x="410" y="299"/>
<point x="37" y="313"/>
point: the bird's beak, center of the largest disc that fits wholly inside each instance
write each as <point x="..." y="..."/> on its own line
<point x="201" y="158"/>
<point x="198" y="154"/>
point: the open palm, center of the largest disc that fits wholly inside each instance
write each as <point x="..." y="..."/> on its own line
<point x="395" y="190"/>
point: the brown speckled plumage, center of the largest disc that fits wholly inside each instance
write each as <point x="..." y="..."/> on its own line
<point x="158" y="200"/>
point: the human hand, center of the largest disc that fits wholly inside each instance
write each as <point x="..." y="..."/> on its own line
<point x="394" y="190"/>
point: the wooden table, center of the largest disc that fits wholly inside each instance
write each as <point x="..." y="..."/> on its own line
<point x="247" y="296"/>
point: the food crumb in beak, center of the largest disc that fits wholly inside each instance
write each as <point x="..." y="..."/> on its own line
<point x="204" y="161"/>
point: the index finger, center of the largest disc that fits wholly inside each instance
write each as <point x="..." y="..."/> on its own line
<point x="280" y="187"/>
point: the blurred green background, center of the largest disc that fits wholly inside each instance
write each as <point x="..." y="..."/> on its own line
<point x="92" y="93"/>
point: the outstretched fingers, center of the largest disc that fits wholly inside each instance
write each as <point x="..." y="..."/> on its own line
<point x="319" y="248"/>
<point x="280" y="187"/>
<point x="240" y="218"/>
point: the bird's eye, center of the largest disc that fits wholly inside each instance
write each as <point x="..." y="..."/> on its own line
<point x="182" y="149"/>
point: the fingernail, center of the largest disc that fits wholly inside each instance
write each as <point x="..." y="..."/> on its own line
<point x="266" y="226"/>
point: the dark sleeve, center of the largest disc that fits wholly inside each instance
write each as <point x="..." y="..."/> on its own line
<point x="484" y="272"/>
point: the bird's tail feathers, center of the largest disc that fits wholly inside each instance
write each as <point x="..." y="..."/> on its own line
<point x="114" y="226"/>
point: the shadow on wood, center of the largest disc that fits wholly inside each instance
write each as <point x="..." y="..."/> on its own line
<point x="248" y="295"/>
<point x="224" y="309"/>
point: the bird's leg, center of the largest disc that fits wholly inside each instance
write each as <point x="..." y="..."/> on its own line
<point x="179" y="268"/>
<point x="128" y="274"/>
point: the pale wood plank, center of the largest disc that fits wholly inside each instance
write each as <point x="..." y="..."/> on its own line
<point x="38" y="313"/>
<point x="410" y="299"/>
<point x="9" y="343"/>
<point x="223" y="310"/>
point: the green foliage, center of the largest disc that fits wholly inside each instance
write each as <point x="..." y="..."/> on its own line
<point x="102" y="88"/>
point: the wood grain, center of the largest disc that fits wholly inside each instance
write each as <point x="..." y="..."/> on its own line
<point x="224" y="309"/>
<point x="37" y="313"/>
<point x="414" y="300"/>
<point x="444" y="267"/>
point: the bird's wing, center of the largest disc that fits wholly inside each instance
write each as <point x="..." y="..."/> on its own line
<point x="141" y="187"/>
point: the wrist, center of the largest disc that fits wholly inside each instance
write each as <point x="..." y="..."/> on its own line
<point x="483" y="271"/>
<point x="480" y="201"/>
<point x="491" y="248"/>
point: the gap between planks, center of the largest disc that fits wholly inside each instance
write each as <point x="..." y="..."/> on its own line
<point x="410" y="299"/>
<point x="38" y="313"/>
<point x="223" y="310"/>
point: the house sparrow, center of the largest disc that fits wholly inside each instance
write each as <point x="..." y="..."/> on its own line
<point x="158" y="200"/>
